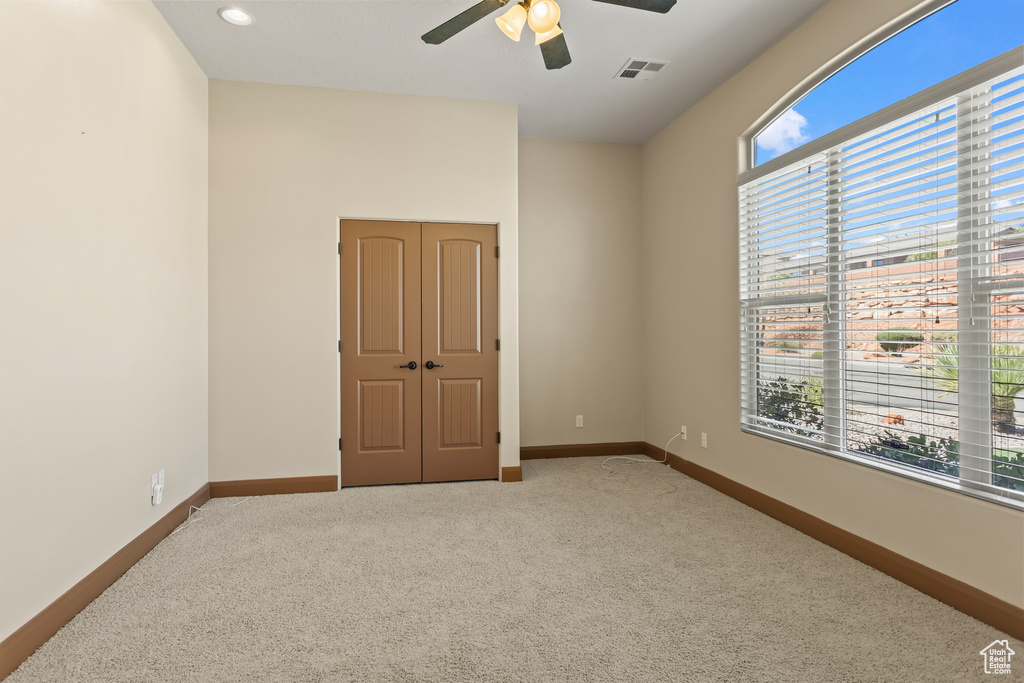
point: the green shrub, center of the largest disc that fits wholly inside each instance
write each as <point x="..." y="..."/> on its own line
<point x="944" y="337"/>
<point x="1008" y="469"/>
<point x="898" y="339"/>
<point x="818" y="354"/>
<point x="797" y="404"/>
<point x="943" y="456"/>
<point x="787" y="345"/>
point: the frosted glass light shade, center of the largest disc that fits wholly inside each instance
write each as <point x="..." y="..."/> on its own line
<point x="511" y="22"/>
<point x="544" y="15"/>
<point x="544" y="37"/>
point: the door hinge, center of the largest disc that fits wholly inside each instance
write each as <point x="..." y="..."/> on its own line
<point x="497" y="252"/>
<point x="499" y="437"/>
<point x="339" y="444"/>
<point x="339" y="248"/>
<point x="339" y="346"/>
<point x="497" y="345"/>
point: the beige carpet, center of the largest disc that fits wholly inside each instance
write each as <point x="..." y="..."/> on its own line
<point x="551" y="579"/>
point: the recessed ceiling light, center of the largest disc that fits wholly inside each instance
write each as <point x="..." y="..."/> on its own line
<point x="235" y="16"/>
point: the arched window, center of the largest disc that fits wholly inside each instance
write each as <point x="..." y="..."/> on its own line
<point x="958" y="36"/>
<point x="882" y="261"/>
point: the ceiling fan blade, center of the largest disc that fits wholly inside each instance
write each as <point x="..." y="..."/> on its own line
<point x="660" y="6"/>
<point x="555" y="52"/>
<point x="462" y="21"/>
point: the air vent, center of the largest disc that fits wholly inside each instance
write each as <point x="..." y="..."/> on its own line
<point x="640" y="69"/>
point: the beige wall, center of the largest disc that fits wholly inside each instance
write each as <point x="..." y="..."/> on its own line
<point x="102" y="287"/>
<point x="692" y="322"/>
<point x="285" y="164"/>
<point x="580" y="292"/>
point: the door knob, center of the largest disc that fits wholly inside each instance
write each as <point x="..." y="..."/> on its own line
<point x="411" y="365"/>
<point x="430" y="365"/>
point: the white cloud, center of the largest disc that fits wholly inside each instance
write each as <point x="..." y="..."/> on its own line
<point x="785" y="133"/>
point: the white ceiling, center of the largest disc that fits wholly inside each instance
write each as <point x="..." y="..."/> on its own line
<point x="375" y="45"/>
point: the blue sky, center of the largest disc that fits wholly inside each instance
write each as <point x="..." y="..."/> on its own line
<point x="952" y="40"/>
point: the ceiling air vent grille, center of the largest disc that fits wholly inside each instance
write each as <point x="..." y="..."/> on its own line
<point x="640" y="69"/>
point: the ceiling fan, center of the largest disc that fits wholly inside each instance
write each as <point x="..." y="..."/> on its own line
<point x="541" y="15"/>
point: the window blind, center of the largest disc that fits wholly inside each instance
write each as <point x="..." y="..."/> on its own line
<point x="882" y="291"/>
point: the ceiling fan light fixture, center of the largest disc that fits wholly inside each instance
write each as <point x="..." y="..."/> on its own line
<point x="511" y="22"/>
<point x="544" y="15"/>
<point x="544" y="37"/>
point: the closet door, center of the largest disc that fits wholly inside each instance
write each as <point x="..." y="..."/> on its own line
<point x="460" y="357"/>
<point x="380" y="362"/>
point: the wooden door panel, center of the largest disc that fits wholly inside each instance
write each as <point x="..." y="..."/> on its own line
<point x="381" y="415"/>
<point x="460" y="413"/>
<point x="381" y="295"/>
<point x="380" y="322"/>
<point x="458" y="273"/>
<point x="460" y="328"/>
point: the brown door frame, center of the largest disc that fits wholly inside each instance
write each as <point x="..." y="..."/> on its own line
<point x="496" y="226"/>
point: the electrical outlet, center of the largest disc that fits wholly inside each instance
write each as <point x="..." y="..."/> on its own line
<point x="703" y="440"/>
<point x="579" y="420"/>
<point x="682" y="432"/>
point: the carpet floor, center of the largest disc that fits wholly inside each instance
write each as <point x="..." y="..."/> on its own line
<point x="567" y="576"/>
